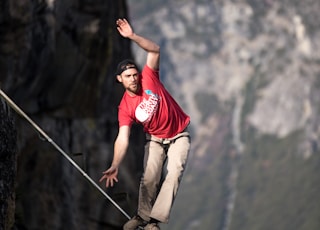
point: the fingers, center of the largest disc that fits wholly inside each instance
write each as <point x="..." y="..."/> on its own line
<point x="102" y="178"/>
<point x="110" y="182"/>
<point x="105" y="176"/>
<point x="109" y="177"/>
<point x="120" y="21"/>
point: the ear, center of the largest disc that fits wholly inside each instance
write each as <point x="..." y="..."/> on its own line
<point x="119" y="78"/>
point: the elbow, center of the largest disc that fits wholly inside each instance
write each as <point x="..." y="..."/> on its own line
<point x="157" y="49"/>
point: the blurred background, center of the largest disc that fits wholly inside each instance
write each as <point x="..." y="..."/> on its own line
<point x="247" y="72"/>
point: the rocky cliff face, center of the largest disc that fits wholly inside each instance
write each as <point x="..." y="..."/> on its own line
<point x="246" y="71"/>
<point x="57" y="63"/>
<point x="8" y="153"/>
<point x="248" y="74"/>
<point x="216" y="49"/>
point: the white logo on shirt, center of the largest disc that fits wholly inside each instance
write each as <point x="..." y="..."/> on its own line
<point x="147" y="107"/>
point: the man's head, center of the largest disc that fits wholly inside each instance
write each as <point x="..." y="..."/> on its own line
<point x="127" y="73"/>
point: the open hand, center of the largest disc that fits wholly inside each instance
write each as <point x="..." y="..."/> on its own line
<point x="124" y="28"/>
<point x="110" y="176"/>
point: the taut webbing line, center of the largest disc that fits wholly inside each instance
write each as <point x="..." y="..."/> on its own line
<point x="20" y="112"/>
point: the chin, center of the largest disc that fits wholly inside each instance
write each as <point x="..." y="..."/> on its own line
<point x="134" y="88"/>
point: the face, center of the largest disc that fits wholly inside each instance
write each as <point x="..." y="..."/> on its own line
<point x="130" y="80"/>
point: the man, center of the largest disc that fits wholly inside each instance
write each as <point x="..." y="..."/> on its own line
<point x="147" y="102"/>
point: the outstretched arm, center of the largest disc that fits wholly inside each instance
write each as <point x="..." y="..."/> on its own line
<point x="149" y="46"/>
<point x="120" y="148"/>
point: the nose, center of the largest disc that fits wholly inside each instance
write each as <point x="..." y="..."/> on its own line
<point x="133" y="78"/>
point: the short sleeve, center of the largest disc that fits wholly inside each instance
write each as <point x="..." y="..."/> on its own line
<point x="124" y="118"/>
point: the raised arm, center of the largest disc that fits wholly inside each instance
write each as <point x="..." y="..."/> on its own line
<point x="149" y="46"/>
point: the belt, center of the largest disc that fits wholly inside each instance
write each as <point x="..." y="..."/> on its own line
<point x="168" y="141"/>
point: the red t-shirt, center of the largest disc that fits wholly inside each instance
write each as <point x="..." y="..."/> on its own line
<point x="153" y="107"/>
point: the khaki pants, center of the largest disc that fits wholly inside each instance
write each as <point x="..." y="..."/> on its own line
<point x="156" y="198"/>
